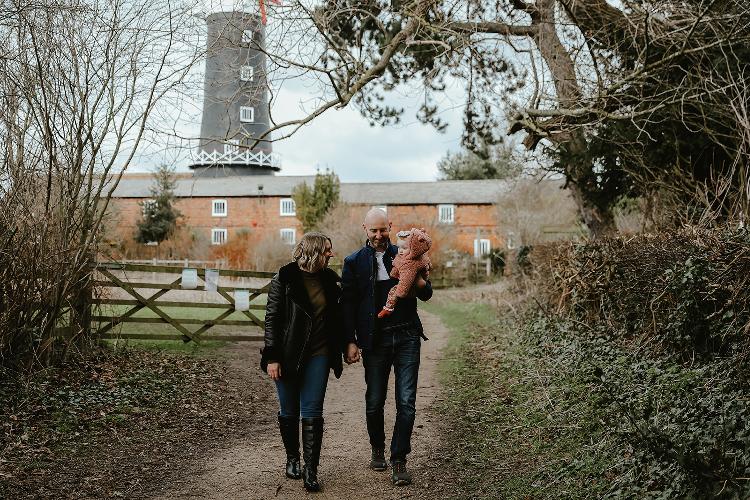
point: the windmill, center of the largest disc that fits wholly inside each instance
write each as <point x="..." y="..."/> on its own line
<point x="235" y="99"/>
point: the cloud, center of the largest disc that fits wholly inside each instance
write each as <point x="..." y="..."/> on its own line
<point x="344" y="141"/>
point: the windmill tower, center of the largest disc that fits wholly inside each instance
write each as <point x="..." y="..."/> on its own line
<point x="235" y="99"/>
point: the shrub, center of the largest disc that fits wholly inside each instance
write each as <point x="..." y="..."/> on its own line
<point x="658" y="326"/>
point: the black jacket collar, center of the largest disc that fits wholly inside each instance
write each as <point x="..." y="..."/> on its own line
<point x="390" y="253"/>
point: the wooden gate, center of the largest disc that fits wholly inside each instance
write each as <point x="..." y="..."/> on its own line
<point x="117" y="291"/>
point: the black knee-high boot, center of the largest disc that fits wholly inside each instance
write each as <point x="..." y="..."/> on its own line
<point x="312" y="437"/>
<point x="289" y="427"/>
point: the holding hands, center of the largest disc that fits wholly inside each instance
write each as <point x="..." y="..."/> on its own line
<point x="352" y="354"/>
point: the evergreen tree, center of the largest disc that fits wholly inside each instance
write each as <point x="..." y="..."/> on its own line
<point x="313" y="203"/>
<point x="159" y="214"/>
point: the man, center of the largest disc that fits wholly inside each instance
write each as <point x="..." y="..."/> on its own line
<point x="393" y="341"/>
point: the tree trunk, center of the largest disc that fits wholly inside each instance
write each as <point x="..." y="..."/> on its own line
<point x="599" y="220"/>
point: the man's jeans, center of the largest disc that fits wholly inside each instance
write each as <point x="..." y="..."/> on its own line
<point x="307" y="395"/>
<point x="397" y="347"/>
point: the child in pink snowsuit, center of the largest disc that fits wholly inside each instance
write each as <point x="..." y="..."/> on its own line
<point x="411" y="261"/>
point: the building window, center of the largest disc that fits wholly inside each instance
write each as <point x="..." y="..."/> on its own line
<point x="246" y="73"/>
<point x="482" y="248"/>
<point x="247" y="114"/>
<point x="289" y="236"/>
<point x="247" y="36"/>
<point x="381" y="207"/>
<point x="287" y="207"/>
<point x="218" y="236"/>
<point x="232" y="146"/>
<point x="446" y="214"/>
<point x="148" y="207"/>
<point x="219" y="208"/>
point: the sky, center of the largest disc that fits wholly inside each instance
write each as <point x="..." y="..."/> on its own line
<point x="345" y="142"/>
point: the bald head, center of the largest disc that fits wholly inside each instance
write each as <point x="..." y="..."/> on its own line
<point x="377" y="228"/>
<point x="376" y="216"/>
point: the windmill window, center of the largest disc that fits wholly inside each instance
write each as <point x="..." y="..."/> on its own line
<point x="247" y="114"/>
<point x="246" y="73"/>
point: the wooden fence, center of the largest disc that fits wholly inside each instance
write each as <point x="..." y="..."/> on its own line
<point x="111" y="279"/>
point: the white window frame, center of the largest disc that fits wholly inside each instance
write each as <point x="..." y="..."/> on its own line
<point x="288" y="231"/>
<point x="384" y="208"/>
<point x="146" y="203"/>
<point x="232" y="146"/>
<point x="286" y="203"/>
<point x="216" y="239"/>
<point x="247" y="73"/>
<point x="445" y="210"/>
<point x="244" y="111"/>
<point x="247" y="36"/>
<point x="481" y="244"/>
<point x="219" y="213"/>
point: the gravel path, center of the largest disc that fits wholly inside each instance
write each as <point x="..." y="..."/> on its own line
<point x="252" y="468"/>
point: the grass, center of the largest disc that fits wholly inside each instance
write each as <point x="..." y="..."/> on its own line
<point x="511" y="438"/>
<point x="176" y="346"/>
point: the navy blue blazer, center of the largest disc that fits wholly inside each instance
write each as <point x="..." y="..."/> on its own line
<point x="358" y="296"/>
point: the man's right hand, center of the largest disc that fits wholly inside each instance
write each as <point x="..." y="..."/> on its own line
<point x="274" y="371"/>
<point x="352" y="353"/>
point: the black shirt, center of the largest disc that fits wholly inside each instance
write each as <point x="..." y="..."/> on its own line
<point x="317" y="343"/>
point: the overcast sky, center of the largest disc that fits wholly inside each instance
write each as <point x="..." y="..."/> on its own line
<point x="344" y="141"/>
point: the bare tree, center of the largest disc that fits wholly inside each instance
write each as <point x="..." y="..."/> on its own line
<point x="566" y="73"/>
<point x="78" y="82"/>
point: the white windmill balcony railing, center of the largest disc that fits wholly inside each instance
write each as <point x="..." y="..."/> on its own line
<point x="241" y="157"/>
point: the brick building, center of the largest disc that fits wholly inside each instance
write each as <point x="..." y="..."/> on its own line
<point x="220" y="207"/>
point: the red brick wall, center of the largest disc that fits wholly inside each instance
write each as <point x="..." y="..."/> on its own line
<point x="263" y="215"/>
<point x="468" y="219"/>
<point x="256" y="214"/>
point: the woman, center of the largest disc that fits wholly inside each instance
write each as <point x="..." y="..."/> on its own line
<point x="304" y="339"/>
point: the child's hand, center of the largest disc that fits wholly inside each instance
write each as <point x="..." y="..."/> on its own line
<point x="419" y="283"/>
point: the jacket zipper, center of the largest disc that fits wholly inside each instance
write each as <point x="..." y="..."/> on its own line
<point x="307" y="338"/>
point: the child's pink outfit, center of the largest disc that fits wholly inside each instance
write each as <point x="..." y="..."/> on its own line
<point x="407" y="267"/>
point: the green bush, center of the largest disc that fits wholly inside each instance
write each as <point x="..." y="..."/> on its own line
<point x="658" y="327"/>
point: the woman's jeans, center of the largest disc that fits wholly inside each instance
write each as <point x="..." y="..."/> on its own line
<point x="398" y="348"/>
<point x="306" y="395"/>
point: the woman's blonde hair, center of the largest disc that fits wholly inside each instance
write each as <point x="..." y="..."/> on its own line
<point x="310" y="251"/>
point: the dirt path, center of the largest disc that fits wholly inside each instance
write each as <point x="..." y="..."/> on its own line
<point x="253" y="467"/>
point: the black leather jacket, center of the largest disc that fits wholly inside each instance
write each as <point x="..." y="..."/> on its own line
<point x="289" y="321"/>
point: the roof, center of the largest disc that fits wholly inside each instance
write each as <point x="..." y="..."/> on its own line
<point x="366" y="193"/>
